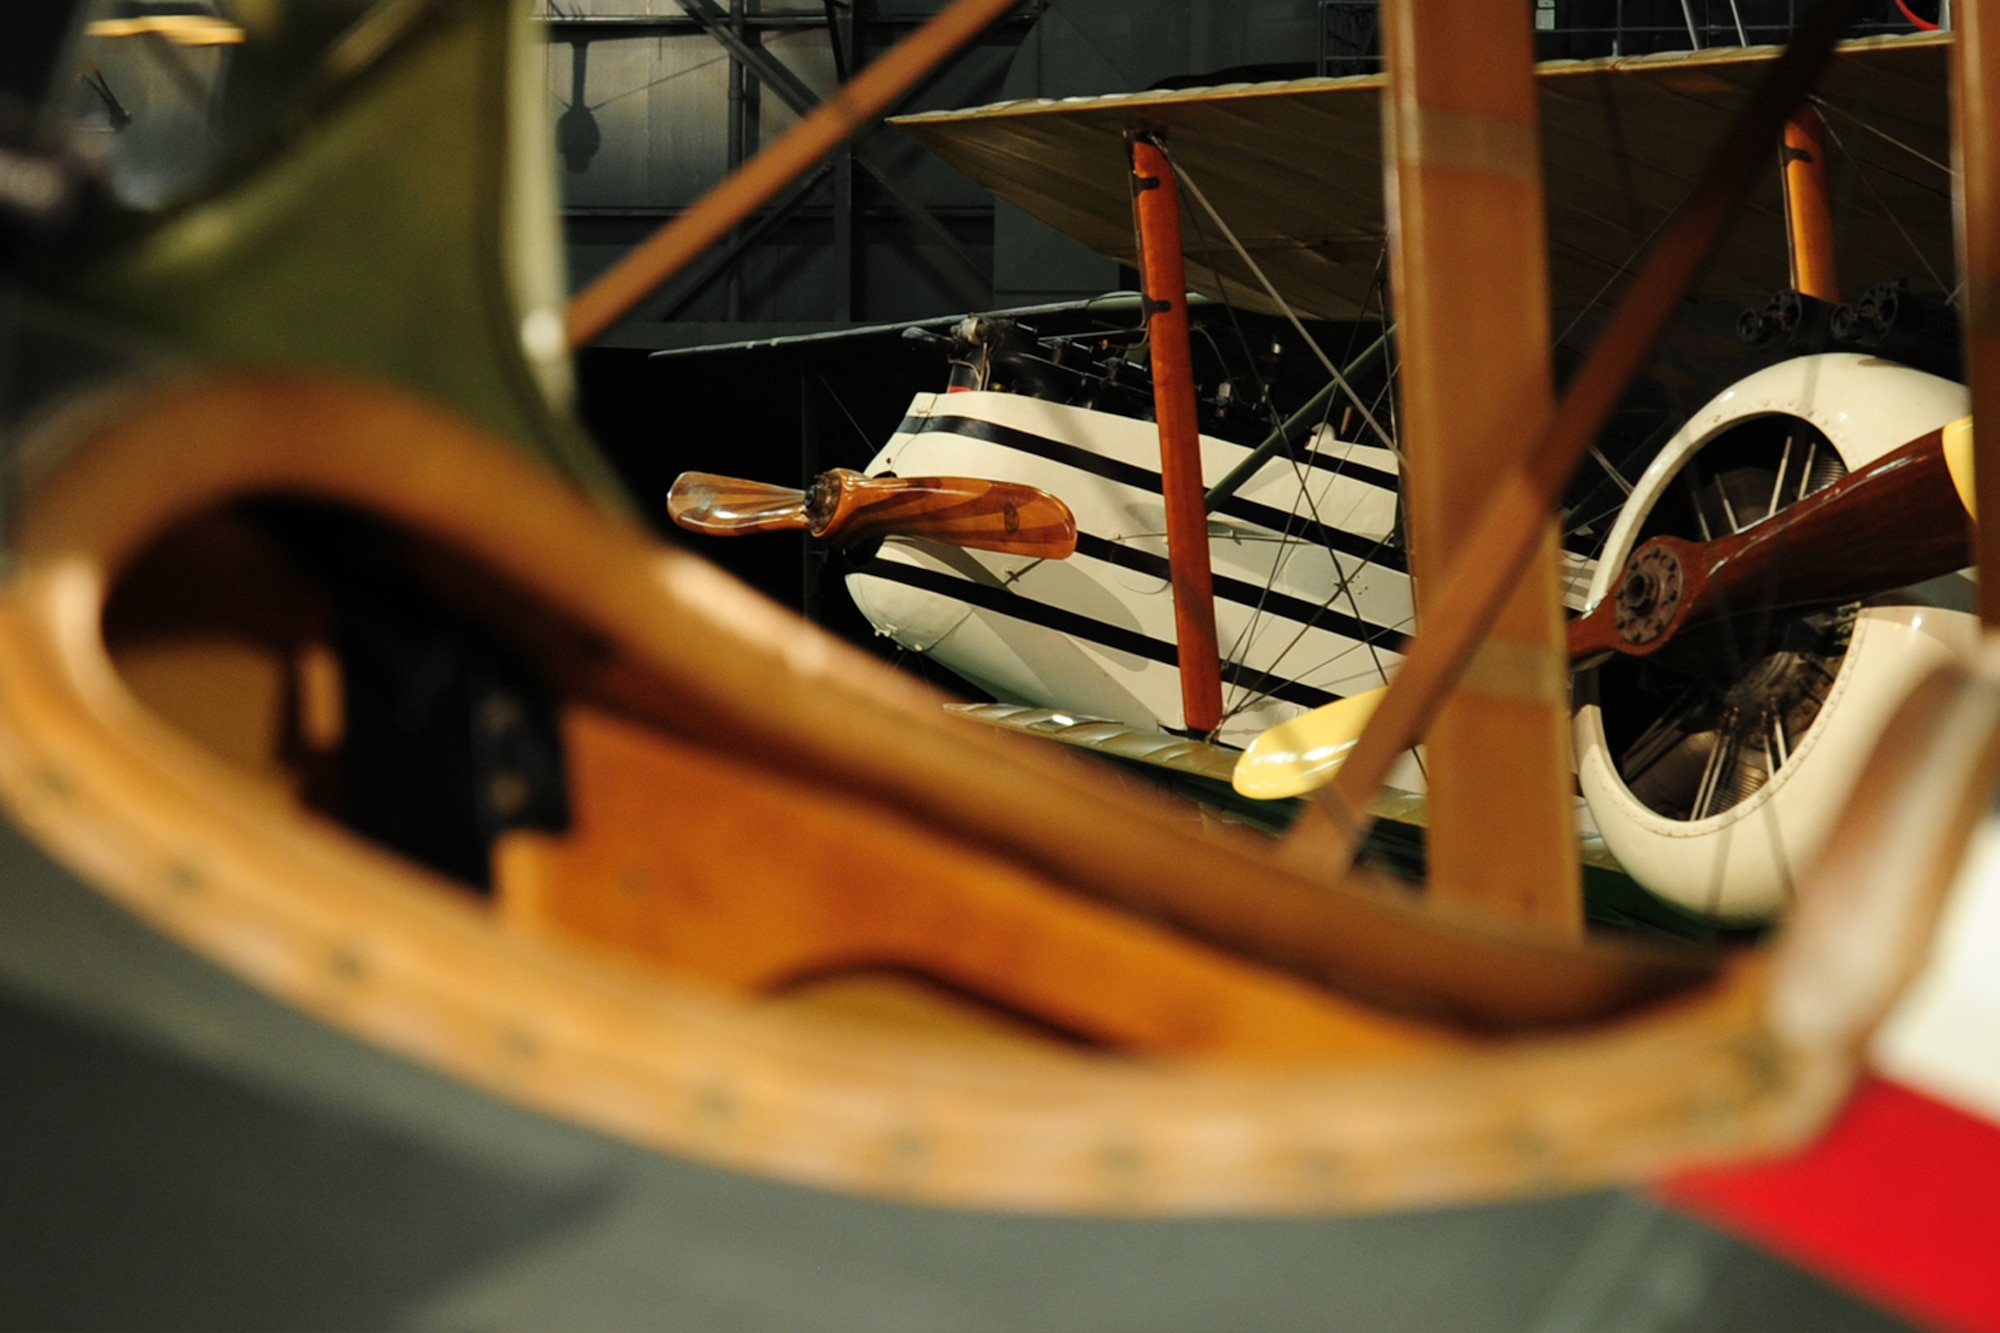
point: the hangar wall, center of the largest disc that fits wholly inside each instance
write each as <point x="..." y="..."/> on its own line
<point x="653" y="104"/>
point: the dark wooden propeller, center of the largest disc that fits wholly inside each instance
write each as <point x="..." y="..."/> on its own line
<point x="846" y="508"/>
<point x="1897" y="521"/>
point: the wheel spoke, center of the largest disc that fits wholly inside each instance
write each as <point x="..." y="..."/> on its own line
<point x="1721" y="759"/>
<point x="1778" y="482"/>
<point x="1694" y="495"/>
<point x="1667" y="731"/>
<point x="1703" y="750"/>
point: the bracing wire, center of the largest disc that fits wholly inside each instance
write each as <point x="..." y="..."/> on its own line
<point x="1887" y="212"/>
<point x="1284" y="307"/>
<point x="1245" y="696"/>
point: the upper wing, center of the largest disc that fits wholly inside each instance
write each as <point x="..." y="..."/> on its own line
<point x="1296" y="169"/>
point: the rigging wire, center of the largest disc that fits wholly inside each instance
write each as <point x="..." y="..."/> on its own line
<point x="695" y="68"/>
<point x="1597" y="298"/>
<point x="1687" y="12"/>
<point x="1247" y="696"/>
<point x="1882" y="204"/>
<point x="1284" y="307"/>
<point x="1344" y="580"/>
<point x="1822" y="104"/>
<point x="866" y="439"/>
<point x="1235" y="324"/>
<point x="1239" y="646"/>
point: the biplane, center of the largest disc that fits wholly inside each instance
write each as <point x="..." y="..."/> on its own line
<point x="1689" y="774"/>
<point x="294" y="549"/>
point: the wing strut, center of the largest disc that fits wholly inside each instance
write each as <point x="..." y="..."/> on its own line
<point x="1156" y="206"/>
<point x="1808" y="207"/>
<point x="1975" y="103"/>
<point x="1468" y="260"/>
<point x="1509" y="526"/>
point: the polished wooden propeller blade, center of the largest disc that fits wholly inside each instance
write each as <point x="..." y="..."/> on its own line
<point x="726" y="506"/>
<point x="847" y="508"/>
<point x="987" y="515"/>
<point x="729" y="505"/>
<point x="1900" y="520"/>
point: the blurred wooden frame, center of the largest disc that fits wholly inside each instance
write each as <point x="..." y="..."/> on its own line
<point x="1615" y="1063"/>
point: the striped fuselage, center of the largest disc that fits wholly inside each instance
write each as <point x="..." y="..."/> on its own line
<point x="1312" y="594"/>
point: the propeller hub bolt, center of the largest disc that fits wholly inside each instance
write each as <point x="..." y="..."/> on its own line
<point x="1649" y="594"/>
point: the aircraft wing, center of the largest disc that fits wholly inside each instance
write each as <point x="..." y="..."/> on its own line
<point x="1296" y="170"/>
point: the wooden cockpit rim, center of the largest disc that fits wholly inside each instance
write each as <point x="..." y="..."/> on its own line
<point x="368" y="944"/>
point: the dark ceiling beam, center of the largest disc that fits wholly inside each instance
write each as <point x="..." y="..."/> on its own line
<point x="838" y="37"/>
<point x="634" y="26"/>
<point x="970" y="283"/>
<point x="613" y="27"/>
<point x="841" y="42"/>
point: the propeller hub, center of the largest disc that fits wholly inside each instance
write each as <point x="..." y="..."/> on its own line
<point x="823" y="501"/>
<point x="1649" y="593"/>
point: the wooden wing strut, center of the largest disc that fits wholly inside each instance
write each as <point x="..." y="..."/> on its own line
<point x="1469" y="268"/>
<point x="1511" y="523"/>
<point x="1156" y="206"/>
<point x="1975" y="102"/>
<point x="1808" y="207"/>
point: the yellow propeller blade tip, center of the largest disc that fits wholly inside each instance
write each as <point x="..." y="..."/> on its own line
<point x="1958" y="458"/>
<point x="1302" y="755"/>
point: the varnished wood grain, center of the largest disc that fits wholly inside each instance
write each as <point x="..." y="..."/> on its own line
<point x="1004" y="516"/>
<point x="1470" y="269"/>
<point x="1511" y="523"/>
<point x="720" y="506"/>
<point x="846" y="508"/>
<point x="697" y="864"/>
<point x="1896" y="522"/>
<point x="1156" y="214"/>
<point x="1975" y="110"/>
<point x="1808" y="207"/>
<point x="749" y="702"/>
<point x="660" y="635"/>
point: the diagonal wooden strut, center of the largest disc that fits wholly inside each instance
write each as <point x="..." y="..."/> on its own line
<point x="1512" y="522"/>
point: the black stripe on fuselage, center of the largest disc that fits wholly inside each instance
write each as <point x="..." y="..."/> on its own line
<point x="1346" y="467"/>
<point x="1374" y="550"/>
<point x="1012" y="604"/>
<point x="1248" y="594"/>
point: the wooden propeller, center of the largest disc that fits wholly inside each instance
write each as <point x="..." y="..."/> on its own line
<point x="846" y="508"/>
<point x="1899" y="520"/>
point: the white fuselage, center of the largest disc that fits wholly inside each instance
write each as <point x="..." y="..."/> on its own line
<point x="1312" y="597"/>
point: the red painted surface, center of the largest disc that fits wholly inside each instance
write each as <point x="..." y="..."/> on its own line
<point x="1156" y="204"/>
<point x="1899" y="1202"/>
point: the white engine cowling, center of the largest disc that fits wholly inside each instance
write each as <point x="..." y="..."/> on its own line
<point x="1724" y="821"/>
